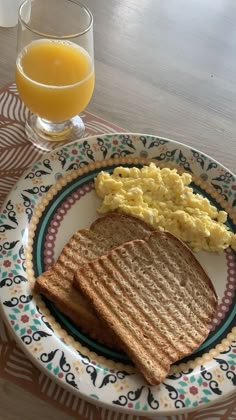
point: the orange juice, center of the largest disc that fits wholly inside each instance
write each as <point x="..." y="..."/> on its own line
<point x="55" y="79"/>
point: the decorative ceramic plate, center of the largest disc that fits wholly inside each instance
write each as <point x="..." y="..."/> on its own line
<point x="50" y="202"/>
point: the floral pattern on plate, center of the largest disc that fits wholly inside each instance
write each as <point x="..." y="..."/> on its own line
<point x="197" y="382"/>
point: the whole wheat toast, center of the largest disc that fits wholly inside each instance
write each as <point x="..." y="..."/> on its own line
<point x="156" y="298"/>
<point x="57" y="284"/>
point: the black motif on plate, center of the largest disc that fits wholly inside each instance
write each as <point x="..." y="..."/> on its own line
<point x="207" y="376"/>
<point x="174" y="395"/>
<point x="122" y="153"/>
<point x="157" y="142"/>
<point x="88" y="150"/>
<point x="64" y="365"/>
<point x="225" y="366"/>
<point x="76" y="165"/>
<point x="36" y="336"/>
<point x="46" y="164"/>
<point x="11" y="215"/>
<point x="132" y="396"/>
<point x="14" y="301"/>
<point x="128" y="142"/>
<point x="102" y="146"/>
<point x="9" y="281"/>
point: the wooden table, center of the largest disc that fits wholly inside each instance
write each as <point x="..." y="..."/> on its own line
<point x="162" y="67"/>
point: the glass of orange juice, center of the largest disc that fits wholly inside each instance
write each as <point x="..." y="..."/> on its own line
<point x="54" y="69"/>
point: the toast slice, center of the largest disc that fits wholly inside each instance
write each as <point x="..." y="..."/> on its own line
<point x="125" y="226"/>
<point x="57" y="283"/>
<point x="156" y="298"/>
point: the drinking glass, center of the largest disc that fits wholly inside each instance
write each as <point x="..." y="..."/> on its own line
<point x="54" y="69"/>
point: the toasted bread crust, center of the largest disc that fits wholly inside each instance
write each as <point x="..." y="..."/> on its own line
<point x="155" y="296"/>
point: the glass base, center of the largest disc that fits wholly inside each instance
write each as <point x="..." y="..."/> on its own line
<point x="50" y="136"/>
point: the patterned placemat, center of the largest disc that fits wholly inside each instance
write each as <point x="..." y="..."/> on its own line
<point x="17" y="154"/>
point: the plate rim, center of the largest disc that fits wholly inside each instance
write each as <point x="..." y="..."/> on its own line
<point x="39" y="364"/>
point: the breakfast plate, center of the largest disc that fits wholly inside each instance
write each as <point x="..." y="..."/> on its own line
<point x="49" y="203"/>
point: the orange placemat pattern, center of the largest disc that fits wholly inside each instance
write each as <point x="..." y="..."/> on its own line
<point x="17" y="154"/>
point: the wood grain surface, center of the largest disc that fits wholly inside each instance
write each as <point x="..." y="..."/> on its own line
<point x="162" y="67"/>
<point x="17" y="404"/>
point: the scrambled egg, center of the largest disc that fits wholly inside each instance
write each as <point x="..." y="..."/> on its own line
<point x="164" y="199"/>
